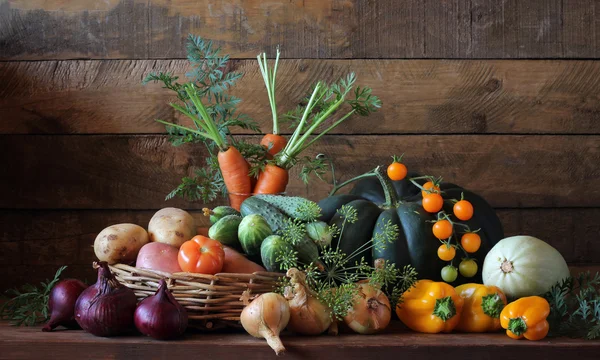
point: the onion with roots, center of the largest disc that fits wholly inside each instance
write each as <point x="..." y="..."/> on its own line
<point x="308" y="315"/>
<point x="61" y="304"/>
<point x="265" y="317"/>
<point x="371" y="312"/>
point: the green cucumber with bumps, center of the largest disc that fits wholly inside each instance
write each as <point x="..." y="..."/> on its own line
<point x="307" y="250"/>
<point x="253" y="230"/>
<point x="293" y="206"/>
<point x="226" y="230"/>
<point x="272" y="215"/>
<point x="219" y="212"/>
<point x="272" y="247"/>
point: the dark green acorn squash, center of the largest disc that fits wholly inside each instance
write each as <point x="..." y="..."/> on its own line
<point x="415" y="244"/>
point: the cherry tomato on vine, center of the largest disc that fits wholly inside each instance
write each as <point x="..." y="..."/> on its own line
<point x="463" y="210"/>
<point x="449" y="273"/>
<point x="470" y="242"/>
<point x="442" y="229"/>
<point x="468" y="268"/>
<point x="433" y="203"/>
<point x="429" y="186"/>
<point x="397" y="170"/>
<point x="446" y="252"/>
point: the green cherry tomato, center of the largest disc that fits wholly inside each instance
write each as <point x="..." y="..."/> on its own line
<point x="468" y="268"/>
<point x="449" y="273"/>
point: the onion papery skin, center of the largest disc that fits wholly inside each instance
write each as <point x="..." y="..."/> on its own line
<point x="308" y="315"/>
<point x="61" y="304"/>
<point x="160" y="316"/>
<point x="265" y="317"/>
<point x="107" y="307"/>
<point x="371" y="312"/>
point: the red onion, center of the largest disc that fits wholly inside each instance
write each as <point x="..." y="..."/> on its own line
<point x="160" y="316"/>
<point x="61" y="304"/>
<point x="107" y="307"/>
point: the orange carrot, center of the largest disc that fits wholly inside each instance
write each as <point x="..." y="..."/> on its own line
<point x="278" y="142"/>
<point x="235" y="175"/>
<point x="272" y="180"/>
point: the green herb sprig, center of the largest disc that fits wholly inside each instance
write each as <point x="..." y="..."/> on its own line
<point x="211" y="79"/>
<point x="29" y="305"/>
<point x="575" y="307"/>
<point x="335" y="283"/>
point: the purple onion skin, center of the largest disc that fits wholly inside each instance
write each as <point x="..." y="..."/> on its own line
<point x="160" y="316"/>
<point x="61" y="304"/>
<point x="107" y="307"/>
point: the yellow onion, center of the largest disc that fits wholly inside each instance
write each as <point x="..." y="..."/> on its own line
<point x="371" y="312"/>
<point x="308" y="315"/>
<point x="265" y="317"/>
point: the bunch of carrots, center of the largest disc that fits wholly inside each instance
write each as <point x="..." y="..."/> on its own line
<point x="281" y="153"/>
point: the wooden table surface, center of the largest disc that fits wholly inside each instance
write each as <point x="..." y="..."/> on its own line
<point x="32" y="343"/>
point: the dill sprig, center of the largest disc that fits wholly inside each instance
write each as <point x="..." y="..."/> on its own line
<point x="575" y="307"/>
<point x="335" y="282"/>
<point x="29" y="305"/>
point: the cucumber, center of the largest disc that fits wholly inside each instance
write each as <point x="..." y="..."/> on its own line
<point x="226" y="230"/>
<point x="293" y="206"/>
<point x="272" y="247"/>
<point x="308" y="251"/>
<point x="252" y="231"/>
<point x="319" y="232"/>
<point x="274" y="217"/>
<point x="219" y="212"/>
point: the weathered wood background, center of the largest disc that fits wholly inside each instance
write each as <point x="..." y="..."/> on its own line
<point x="499" y="96"/>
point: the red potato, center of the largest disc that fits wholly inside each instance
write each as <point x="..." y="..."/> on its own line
<point x="238" y="263"/>
<point x="158" y="256"/>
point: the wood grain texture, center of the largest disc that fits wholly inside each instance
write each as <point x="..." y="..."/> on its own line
<point x="151" y="29"/>
<point x="136" y="172"/>
<point x="419" y="96"/>
<point x="27" y="343"/>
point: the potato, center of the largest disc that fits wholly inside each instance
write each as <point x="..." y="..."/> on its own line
<point x="158" y="256"/>
<point x="171" y="226"/>
<point x="120" y="243"/>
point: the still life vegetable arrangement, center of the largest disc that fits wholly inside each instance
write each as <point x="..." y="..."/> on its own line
<point x="396" y="245"/>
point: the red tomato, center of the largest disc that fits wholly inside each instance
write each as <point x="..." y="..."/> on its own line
<point x="201" y="255"/>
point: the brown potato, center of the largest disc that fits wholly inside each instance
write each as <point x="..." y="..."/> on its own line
<point x="120" y="243"/>
<point x="171" y="226"/>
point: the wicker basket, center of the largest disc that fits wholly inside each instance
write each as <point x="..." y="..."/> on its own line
<point x="212" y="301"/>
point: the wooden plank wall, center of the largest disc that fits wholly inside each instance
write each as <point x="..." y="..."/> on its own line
<point x="501" y="97"/>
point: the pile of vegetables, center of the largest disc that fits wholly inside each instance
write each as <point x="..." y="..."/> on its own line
<point x="397" y="243"/>
<point x="334" y="276"/>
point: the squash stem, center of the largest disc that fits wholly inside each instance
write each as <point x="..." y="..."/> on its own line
<point x="336" y="188"/>
<point x="391" y="200"/>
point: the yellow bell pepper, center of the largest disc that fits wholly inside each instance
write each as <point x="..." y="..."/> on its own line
<point x="430" y="307"/>
<point x="483" y="305"/>
<point x="526" y="318"/>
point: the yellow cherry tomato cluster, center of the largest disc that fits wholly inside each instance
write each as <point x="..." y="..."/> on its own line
<point x="443" y="228"/>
